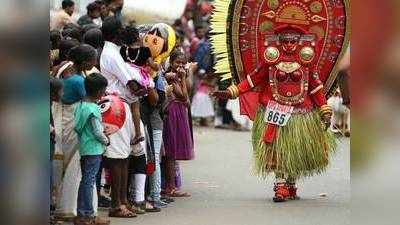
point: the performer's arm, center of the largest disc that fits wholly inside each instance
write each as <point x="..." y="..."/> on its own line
<point x="316" y="91"/>
<point x="317" y="95"/>
<point x="252" y="80"/>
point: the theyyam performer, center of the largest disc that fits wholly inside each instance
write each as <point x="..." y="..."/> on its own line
<point x="282" y="57"/>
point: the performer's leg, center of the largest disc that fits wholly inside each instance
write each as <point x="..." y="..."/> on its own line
<point x="291" y="184"/>
<point x="280" y="188"/>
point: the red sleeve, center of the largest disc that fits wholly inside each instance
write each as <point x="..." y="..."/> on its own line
<point x="316" y="91"/>
<point x="254" y="79"/>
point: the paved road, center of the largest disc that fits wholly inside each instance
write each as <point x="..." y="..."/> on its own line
<point x="224" y="191"/>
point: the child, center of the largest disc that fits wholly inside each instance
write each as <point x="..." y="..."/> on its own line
<point x="92" y="142"/>
<point x="132" y="54"/>
<point x="202" y="106"/>
<point x="178" y="142"/>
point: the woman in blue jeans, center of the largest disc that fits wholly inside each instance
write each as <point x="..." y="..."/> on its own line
<point x="151" y="107"/>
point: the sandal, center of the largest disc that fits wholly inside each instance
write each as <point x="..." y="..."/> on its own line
<point x="122" y="213"/>
<point x="177" y="194"/>
<point x="151" y="208"/>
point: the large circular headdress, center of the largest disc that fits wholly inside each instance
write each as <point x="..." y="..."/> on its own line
<point x="243" y="29"/>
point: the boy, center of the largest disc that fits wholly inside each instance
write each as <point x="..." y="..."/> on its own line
<point x="92" y="142"/>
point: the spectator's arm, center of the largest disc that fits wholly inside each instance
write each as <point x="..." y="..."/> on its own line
<point x="98" y="130"/>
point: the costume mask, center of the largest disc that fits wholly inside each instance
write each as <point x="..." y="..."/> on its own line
<point x="154" y="43"/>
<point x="161" y="40"/>
<point x="113" y="113"/>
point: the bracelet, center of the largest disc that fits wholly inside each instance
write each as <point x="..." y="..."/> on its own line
<point x="234" y="91"/>
<point x="325" y="109"/>
<point x="317" y="89"/>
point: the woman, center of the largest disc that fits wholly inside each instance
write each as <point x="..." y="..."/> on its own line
<point x="83" y="59"/>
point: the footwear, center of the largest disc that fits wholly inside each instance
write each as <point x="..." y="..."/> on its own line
<point x="151" y="208"/>
<point x="104" y="202"/>
<point x="160" y="204"/>
<point x="140" y="208"/>
<point x="121" y="213"/>
<point x="83" y="220"/>
<point x="135" y="209"/>
<point x="281" y="192"/>
<point x="167" y="199"/>
<point x="292" y="191"/>
<point x="101" y="221"/>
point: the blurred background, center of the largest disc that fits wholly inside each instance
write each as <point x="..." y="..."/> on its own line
<point x="24" y="114"/>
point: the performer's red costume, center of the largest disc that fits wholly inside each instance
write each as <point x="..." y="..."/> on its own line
<point x="282" y="55"/>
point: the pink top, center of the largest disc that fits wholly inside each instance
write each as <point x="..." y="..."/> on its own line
<point x="145" y="81"/>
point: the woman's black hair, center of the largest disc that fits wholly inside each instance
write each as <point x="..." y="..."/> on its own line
<point x="72" y="32"/>
<point x="111" y="28"/>
<point x="175" y="54"/>
<point x="94" y="83"/>
<point x="130" y="35"/>
<point x="55" y="38"/>
<point x="91" y="7"/>
<point x="55" y="86"/>
<point x="82" y="53"/>
<point x="65" y="47"/>
<point x="87" y="27"/>
<point x="94" y="37"/>
<point x="137" y="56"/>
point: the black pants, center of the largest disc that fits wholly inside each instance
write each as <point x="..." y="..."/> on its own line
<point x="119" y="181"/>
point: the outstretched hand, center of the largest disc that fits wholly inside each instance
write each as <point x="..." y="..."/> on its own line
<point x="221" y="94"/>
<point x="326" y="121"/>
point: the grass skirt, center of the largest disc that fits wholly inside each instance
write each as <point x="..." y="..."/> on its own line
<point x="300" y="149"/>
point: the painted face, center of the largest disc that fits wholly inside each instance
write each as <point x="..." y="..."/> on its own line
<point x="113" y="112"/>
<point x="290" y="45"/>
<point x="154" y="43"/>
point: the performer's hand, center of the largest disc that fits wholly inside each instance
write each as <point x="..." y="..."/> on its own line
<point x="326" y="119"/>
<point x="222" y="94"/>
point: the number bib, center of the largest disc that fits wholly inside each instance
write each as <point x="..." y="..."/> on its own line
<point x="277" y="114"/>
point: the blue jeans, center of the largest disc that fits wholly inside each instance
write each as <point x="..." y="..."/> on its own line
<point x="155" y="178"/>
<point x="90" y="165"/>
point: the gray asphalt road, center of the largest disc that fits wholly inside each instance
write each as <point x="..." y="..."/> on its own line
<point x="225" y="192"/>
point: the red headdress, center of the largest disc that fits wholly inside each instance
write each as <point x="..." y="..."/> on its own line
<point x="252" y="26"/>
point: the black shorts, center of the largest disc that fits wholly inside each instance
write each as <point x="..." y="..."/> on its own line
<point x="137" y="164"/>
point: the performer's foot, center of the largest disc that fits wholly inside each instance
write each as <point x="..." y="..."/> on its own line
<point x="281" y="192"/>
<point x="292" y="191"/>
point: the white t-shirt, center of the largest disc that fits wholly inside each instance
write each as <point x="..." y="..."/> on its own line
<point x="120" y="142"/>
<point x="117" y="72"/>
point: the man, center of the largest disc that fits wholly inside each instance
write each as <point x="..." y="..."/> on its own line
<point x="119" y="75"/>
<point x="63" y="16"/>
<point x="115" y="6"/>
<point x="92" y="15"/>
<point x="104" y="10"/>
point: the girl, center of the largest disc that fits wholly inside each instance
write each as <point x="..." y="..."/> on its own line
<point x="202" y="106"/>
<point x="178" y="142"/>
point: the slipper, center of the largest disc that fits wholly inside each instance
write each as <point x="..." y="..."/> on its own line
<point x="178" y="194"/>
<point x="119" y="213"/>
<point x="151" y="208"/>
